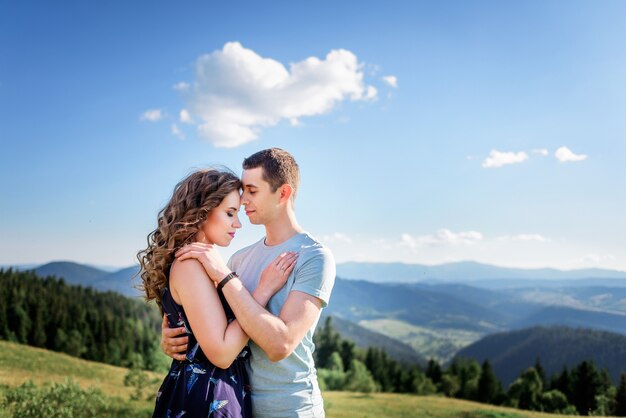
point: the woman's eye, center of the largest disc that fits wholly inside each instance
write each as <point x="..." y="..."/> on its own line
<point x="230" y="214"/>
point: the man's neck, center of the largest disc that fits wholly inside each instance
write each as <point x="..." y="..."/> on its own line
<point x="281" y="229"/>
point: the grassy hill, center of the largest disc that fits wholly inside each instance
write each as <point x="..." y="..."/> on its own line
<point x="19" y="363"/>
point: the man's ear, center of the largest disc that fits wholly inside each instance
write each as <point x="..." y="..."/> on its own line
<point x="285" y="192"/>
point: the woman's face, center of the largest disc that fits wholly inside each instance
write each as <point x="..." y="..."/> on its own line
<point x="221" y="223"/>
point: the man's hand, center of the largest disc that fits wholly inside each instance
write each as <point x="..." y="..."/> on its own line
<point x="173" y="346"/>
<point x="208" y="256"/>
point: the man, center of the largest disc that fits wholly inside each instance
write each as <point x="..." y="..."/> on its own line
<point x="281" y="369"/>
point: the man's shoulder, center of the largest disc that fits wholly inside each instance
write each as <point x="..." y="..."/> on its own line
<point x="312" y="247"/>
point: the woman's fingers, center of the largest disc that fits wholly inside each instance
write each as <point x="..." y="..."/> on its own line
<point x="196" y="246"/>
<point x="287" y="262"/>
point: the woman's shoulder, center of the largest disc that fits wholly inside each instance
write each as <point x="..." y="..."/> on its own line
<point x="189" y="269"/>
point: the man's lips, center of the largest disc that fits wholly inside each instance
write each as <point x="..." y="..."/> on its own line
<point x="232" y="234"/>
<point x="248" y="212"/>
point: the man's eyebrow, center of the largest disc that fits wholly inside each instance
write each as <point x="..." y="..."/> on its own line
<point x="251" y="185"/>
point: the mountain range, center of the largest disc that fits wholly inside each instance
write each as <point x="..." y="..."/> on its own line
<point x="433" y="316"/>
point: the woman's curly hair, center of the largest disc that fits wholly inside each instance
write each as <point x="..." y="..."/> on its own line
<point x="178" y="223"/>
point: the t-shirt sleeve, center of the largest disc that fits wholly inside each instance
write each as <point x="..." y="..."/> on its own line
<point x="316" y="275"/>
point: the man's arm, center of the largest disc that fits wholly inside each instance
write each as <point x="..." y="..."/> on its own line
<point x="278" y="335"/>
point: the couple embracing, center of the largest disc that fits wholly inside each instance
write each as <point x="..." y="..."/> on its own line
<point x="240" y="333"/>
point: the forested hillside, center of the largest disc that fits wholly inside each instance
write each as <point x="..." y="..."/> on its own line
<point x="80" y="321"/>
<point x="514" y="351"/>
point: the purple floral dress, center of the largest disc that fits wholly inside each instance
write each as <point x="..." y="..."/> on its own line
<point x="195" y="387"/>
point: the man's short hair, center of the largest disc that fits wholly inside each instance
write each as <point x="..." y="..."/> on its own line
<point x="279" y="167"/>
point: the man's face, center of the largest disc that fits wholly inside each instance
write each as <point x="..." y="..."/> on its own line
<point x="257" y="197"/>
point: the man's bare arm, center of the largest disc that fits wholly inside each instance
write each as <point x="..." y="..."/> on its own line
<point x="279" y="335"/>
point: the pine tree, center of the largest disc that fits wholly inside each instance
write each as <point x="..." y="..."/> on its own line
<point x="489" y="388"/>
<point x="586" y="386"/>
<point x="433" y="371"/>
<point x="541" y="372"/>
<point x="327" y="341"/>
<point x="620" y="398"/>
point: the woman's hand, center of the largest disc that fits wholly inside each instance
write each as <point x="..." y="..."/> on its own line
<point x="277" y="272"/>
<point x="207" y="255"/>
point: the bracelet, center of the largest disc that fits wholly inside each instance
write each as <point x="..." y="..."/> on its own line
<point x="226" y="280"/>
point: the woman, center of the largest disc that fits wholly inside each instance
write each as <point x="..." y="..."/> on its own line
<point x="212" y="380"/>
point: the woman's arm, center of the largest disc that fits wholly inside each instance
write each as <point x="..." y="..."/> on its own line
<point x="220" y="341"/>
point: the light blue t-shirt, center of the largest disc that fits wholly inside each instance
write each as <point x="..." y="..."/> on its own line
<point x="287" y="388"/>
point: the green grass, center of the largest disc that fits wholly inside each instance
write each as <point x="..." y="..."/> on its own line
<point x="19" y="363"/>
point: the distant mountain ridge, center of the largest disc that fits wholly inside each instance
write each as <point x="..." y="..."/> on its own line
<point x="463" y="271"/>
<point x="435" y="318"/>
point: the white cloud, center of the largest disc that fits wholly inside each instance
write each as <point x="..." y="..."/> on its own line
<point x="337" y="237"/>
<point x="541" y="151"/>
<point x="152" y="115"/>
<point x="391" y="80"/>
<point x="499" y="159"/>
<point x="185" y="117"/>
<point x="237" y="93"/>
<point x="408" y="241"/>
<point x="597" y="258"/>
<point x="182" y="86"/>
<point x="564" y="155"/>
<point x="524" y="237"/>
<point x="442" y="237"/>
<point x="370" y="93"/>
<point x="177" y="132"/>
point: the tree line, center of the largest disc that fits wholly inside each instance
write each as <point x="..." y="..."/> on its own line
<point x="583" y="390"/>
<point x="80" y="321"/>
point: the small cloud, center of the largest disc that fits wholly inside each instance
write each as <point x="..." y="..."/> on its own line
<point x="177" y="132"/>
<point x="524" y="237"/>
<point x="337" y="237"/>
<point x="152" y="115"/>
<point x="541" y="151"/>
<point x="185" y="117"/>
<point x="391" y="80"/>
<point x="408" y="241"/>
<point x="597" y="258"/>
<point x="498" y="159"/>
<point x="564" y="155"/>
<point x="237" y="93"/>
<point x="371" y="93"/>
<point x="182" y="86"/>
<point x="442" y="237"/>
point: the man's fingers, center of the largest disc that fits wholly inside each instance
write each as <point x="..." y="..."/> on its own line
<point x="174" y="349"/>
<point x="173" y="332"/>
<point x="176" y="342"/>
<point x="180" y="357"/>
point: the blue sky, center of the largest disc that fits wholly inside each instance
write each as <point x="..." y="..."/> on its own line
<point x="426" y="132"/>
